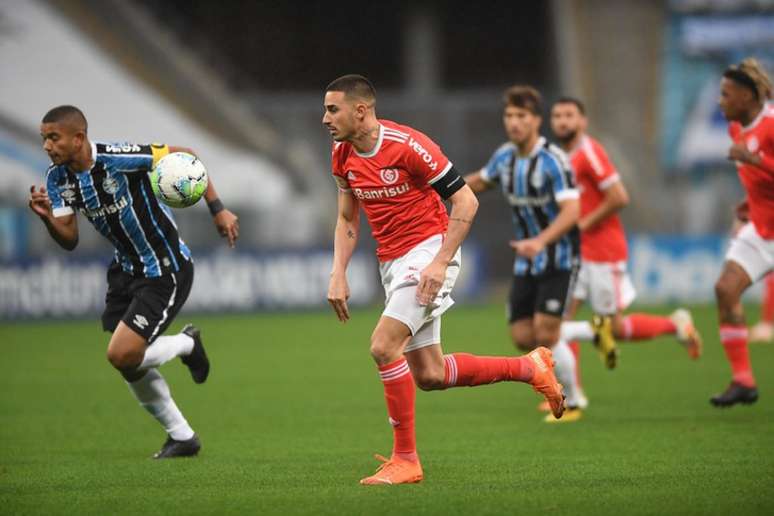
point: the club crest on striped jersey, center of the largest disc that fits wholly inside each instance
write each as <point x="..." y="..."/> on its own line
<point x="68" y="191"/>
<point x="110" y="185"/>
<point x="389" y="176"/>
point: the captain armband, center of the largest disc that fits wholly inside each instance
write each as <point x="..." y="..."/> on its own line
<point x="448" y="184"/>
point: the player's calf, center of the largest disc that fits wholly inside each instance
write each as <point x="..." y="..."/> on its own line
<point x="430" y="379"/>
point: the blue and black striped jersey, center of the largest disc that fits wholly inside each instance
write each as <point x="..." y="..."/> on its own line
<point x="115" y="195"/>
<point x="533" y="186"/>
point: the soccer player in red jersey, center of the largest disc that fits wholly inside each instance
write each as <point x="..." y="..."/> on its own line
<point x="603" y="280"/>
<point x="763" y="331"/>
<point x="744" y="93"/>
<point x="399" y="177"/>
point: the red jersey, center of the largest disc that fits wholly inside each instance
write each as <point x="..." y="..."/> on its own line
<point x="393" y="184"/>
<point x="758" y="181"/>
<point x="594" y="173"/>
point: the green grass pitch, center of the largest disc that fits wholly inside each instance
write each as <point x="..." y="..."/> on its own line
<point x="293" y="412"/>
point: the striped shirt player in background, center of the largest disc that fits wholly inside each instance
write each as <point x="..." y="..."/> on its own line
<point x="151" y="274"/>
<point x="400" y="178"/>
<point x="603" y="280"/>
<point x="537" y="181"/>
<point x="744" y="93"/>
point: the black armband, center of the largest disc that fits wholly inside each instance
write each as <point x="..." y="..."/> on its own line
<point x="215" y="206"/>
<point x="448" y="183"/>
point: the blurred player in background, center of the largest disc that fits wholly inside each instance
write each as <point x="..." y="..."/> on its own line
<point x="151" y="274"/>
<point x="538" y="184"/>
<point x="763" y="331"/>
<point x="399" y="177"/>
<point x="744" y="93"/>
<point x="603" y="279"/>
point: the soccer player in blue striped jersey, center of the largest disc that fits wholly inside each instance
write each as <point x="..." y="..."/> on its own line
<point x="151" y="274"/>
<point x="538" y="183"/>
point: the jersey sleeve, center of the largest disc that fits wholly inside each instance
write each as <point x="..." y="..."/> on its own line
<point x="337" y="167"/>
<point x="59" y="206"/>
<point x="597" y="160"/>
<point x="497" y="165"/>
<point x="424" y="158"/>
<point x="561" y="176"/>
<point x="132" y="157"/>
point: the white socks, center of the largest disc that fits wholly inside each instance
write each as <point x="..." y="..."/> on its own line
<point x="577" y="330"/>
<point x="566" y="373"/>
<point x="153" y="393"/>
<point x="164" y="349"/>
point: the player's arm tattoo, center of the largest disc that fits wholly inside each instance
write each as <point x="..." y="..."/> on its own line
<point x="350" y="234"/>
<point x="464" y="221"/>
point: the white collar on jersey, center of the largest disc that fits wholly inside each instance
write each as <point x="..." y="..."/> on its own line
<point x="538" y="145"/>
<point x="764" y="109"/>
<point x="372" y="152"/>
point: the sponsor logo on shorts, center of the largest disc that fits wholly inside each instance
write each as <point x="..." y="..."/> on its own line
<point x="393" y="422"/>
<point x="553" y="305"/>
<point x="140" y="321"/>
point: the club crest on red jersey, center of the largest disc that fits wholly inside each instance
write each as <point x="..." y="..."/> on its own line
<point x="389" y="176"/>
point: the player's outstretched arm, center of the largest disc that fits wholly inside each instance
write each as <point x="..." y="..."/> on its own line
<point x="64" y="230"/>
<point x="476" y="182"/>
<point x="225" y="221"/>
<point x="615" y="198"/>
<point x="569" y="209"/>
<point x="344" y="242"/>
<point x="464" y="207"/>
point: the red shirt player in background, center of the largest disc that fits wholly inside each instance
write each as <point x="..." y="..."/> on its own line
<point x="603" y="280"/>
<point x="399" y="177"/>
<point x="744" y="93"/>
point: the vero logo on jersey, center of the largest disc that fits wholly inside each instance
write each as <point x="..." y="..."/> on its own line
<point x="423" y="154"/>
<point x="115" y="148"/>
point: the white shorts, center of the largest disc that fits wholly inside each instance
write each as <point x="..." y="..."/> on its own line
<point x="754" y="253"/>
<point x="400" y="278"/>
<point x="606" y="286"/>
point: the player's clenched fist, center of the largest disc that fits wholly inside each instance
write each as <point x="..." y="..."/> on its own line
<point x="338" y="294"/>
<point x="39" y="202"/>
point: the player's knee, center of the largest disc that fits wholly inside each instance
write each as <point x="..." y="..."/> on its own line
<point x="383" y="350"/>
<point x="546" y="337"/>
<point x="724" y="292"/>
<point x="123" y="359"/>
<point x="430" y="379"/>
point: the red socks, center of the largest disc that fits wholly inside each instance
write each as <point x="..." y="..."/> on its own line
<point x="400" y="393"/>
<point x="464" y="369"/>
<point x="734" y="339"/>
<point x="644" y="326"/>
<point x="767" y="310"/>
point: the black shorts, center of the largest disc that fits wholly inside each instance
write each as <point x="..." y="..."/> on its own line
<point x="146" y="305"/>
<point x="547" y="293"/>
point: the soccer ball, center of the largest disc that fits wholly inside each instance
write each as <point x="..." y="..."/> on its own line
<point x="179" y="179"/>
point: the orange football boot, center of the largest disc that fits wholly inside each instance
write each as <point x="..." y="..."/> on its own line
<point x="394" y="471"/>
<point x="544" y="380"/>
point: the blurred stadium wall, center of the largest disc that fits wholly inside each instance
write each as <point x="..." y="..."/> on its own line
<point x="242" y="83"/>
